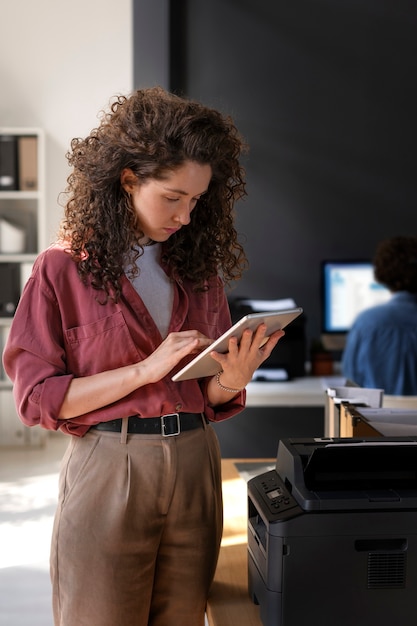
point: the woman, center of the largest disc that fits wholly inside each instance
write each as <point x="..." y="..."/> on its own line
<point x="133" y="288"/>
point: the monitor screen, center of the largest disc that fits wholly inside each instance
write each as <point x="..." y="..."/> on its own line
<point x="348" y="287"/>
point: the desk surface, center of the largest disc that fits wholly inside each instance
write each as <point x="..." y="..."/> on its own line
<point x="306" y="391"/>
<point x="229" y="601"/>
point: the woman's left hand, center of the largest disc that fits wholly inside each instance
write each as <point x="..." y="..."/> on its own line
<point x="245" y="356"/>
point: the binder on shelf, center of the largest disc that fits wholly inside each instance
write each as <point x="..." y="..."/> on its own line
<point x="10" y="288"/>
<point x="8" y="163"/>
<point x="28" y="163"/>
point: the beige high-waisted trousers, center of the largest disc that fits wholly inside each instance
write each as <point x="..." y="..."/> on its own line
<point x="137" y="530"/>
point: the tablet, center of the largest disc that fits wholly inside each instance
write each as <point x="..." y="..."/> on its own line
<point x="203" y="365"/>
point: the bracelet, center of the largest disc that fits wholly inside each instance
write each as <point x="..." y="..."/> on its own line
<point x="228" y="389"/>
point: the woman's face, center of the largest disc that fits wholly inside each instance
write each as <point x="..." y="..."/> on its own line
<point x="164" y="206"/>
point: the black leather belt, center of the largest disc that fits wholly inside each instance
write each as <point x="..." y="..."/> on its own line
<point x="166" y="425"/>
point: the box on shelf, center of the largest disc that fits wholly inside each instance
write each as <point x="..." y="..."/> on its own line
<point x="12" y="238"/>
<point x="8" y="163"/>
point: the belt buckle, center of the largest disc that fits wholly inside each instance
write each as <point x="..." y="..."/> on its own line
<point x="164" y="426"/>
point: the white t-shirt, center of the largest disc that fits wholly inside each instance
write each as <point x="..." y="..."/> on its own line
<point x="154" y="287"/>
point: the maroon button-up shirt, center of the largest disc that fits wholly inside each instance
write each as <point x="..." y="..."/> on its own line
<point x="60" y="331"/>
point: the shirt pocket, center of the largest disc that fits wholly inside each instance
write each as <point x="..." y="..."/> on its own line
<point x="204" y="312"/>
<point x="205" y="322"/>
<point x="99" y="346"/>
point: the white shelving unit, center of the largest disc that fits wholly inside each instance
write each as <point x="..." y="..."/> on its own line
<point x="26" y="211"/>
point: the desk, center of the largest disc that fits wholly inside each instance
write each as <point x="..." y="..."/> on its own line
<point x="229" y="603"/>
<point x="343" y="425"/>
<point x="274" y="411"/>
<point x="356" y="421"/>
<point x="306" y="391"/>
<point x="351" y="425"/>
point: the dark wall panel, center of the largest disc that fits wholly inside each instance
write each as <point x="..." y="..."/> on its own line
<point x="256" y="432"/>
<point x="325" y="94"/>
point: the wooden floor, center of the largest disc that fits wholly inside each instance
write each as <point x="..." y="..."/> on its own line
<point x="229" y="602"/>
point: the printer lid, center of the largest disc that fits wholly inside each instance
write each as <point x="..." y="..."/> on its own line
<point x="341" y="474"/>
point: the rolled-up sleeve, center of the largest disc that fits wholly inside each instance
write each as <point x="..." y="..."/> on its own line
<point x="225" y="411"/>
<point x="34" y="357"/>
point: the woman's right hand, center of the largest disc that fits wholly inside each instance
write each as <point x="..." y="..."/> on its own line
<point x="171" y="351"/>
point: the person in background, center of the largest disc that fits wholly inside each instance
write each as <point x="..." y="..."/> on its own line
<point x="381" y="347"/>
<point x="133" y="288"/>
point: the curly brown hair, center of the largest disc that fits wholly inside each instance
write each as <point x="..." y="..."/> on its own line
<point x="395" y="263"/>
<point x="153" y="132"/>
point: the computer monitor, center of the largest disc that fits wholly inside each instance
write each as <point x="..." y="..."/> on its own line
<point x="348" y="287"/>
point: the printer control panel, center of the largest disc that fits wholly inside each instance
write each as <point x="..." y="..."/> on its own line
<point x="274" y="493"/>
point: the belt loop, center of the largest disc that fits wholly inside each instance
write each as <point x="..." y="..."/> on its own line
<point x="205" y="422"/>
<point x="123" y="432"/>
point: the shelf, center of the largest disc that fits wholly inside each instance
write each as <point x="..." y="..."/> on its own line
<point x="20" y="195"/>
<point x="21" y="257"/>
<point x="23" y="236"/>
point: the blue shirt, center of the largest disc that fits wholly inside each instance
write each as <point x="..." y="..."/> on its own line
<point x="381" y="347"/>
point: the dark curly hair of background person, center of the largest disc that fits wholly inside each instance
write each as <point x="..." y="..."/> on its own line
<point x="395" y="263"/>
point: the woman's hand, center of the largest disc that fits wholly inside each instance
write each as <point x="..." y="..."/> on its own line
<point x="240" y="362"/>
<point x="172" y="350"/>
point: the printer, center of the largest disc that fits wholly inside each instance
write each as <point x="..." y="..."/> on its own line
<point x="332" y="533"/>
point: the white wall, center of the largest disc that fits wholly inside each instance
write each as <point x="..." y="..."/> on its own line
<point x="60" y="63"/>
